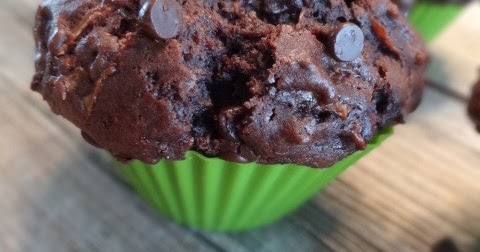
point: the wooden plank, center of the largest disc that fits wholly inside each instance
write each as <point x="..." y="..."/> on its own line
<point x="17" y="48"/>
<point x="455" y="53"/>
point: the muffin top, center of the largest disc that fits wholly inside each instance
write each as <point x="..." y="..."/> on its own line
<point x="474" y="105"/>
<point x="273" y="81"/>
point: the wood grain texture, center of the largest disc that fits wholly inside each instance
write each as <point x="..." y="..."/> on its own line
<point x="457" y="51"/>
<point x="57" y="193"/>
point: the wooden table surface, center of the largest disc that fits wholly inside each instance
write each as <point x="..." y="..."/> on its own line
<point x="421" y="186"/>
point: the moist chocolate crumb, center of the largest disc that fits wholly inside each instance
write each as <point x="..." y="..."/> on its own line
<point x="245" y="80"/>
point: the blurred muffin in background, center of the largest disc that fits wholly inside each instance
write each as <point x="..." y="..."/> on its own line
<point x="474" y="105"/>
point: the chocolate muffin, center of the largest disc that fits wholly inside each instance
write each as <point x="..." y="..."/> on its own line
<point x="474" y="105"/>
<point x="288" y="81"/>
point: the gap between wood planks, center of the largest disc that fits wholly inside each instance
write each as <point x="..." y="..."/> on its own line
<point x="442" y="88"/>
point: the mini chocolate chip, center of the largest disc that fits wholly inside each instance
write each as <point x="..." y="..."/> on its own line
<point x="163" y="18"/>
<point x="280" y="6"/>
<point x="347" y="41"/>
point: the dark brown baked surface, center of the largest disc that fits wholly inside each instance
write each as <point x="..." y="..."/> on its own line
<point x="287" y="81"/>
<point x="474" y="105"/>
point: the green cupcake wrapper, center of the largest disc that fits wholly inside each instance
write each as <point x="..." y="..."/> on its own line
<point x="217" y="195"/>
<point x="429" y="18"/>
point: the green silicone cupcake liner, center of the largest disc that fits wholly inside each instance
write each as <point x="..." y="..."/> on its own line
<point x="429" y="18"/>
<point x="217" y="195"/>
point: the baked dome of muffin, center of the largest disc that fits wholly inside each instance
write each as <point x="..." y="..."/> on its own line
<point x="288" y="81"/>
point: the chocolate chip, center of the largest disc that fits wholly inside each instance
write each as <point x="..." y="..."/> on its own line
<point x="280" y="6"/>
<point x="347" y="42"/>
<point x="163" y="18"/>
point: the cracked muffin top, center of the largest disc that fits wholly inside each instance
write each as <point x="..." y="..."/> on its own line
<point x="274" y="81"/>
